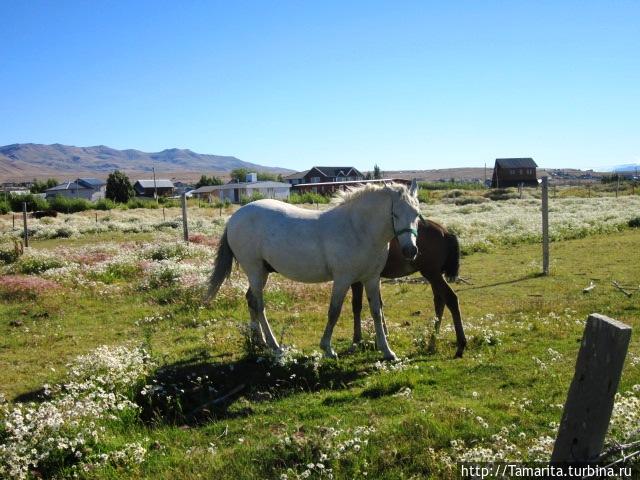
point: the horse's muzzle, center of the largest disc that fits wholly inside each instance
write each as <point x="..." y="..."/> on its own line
<point x="410" y="252"/>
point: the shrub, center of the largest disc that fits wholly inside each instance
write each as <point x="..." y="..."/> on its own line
<point x="34" y="202"/>
<point x="168" y="202"/>
<point x="470" y="200"/>
<point x="307" y="197"/>
<point x="69" y="205"/>
<point x="9" y="254"/>
<point x="424" y="196"/>
<point x="255" y="196"/>
<point x="141" y="203"/>
<point x="5" y="207"/>
<point x="450" y="185"/>
<point x="105" y="204"/>
<point x="34" y="264"/>
<point x="501" y="194"/>
<point x="168" y="251"/>
<point x="24" y="287"/>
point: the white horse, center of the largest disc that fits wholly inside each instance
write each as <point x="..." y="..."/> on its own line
<point x="346" y="244"/>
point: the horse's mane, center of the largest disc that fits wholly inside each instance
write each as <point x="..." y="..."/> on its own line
<point x="351" y="194"/>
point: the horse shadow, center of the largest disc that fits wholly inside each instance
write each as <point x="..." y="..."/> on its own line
<point x="197" y="390"/>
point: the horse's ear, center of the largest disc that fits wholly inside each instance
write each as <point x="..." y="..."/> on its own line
<point x="414" y="188"/>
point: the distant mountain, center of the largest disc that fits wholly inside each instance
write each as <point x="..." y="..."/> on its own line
<point x="25" y="159"/>
<point x="628" y="167"/>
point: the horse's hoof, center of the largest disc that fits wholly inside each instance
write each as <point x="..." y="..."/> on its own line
<point x="331" y="354"/>
<point x="390" y="356"/>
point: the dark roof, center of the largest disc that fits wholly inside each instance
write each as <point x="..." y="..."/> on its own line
<point x="67" y="186"/>
<point x="515" y="163"/>
<point x="159" y="183"/>
<point x="296" y="175"/>
<point x="91" y="182"/>
<point x="336" y="171"/>
<point x="353" y="182"/>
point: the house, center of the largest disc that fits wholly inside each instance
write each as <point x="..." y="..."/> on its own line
<point x="88" y="188"/>
<point x="182" y="187"/>
<point x="511" y="172"/>
<point x="325" y="174"/>
<point x="328" y="188"/>
<point x="235" y="192"/>
<point x="295" y="178"/>
<point x="148" y="188"/>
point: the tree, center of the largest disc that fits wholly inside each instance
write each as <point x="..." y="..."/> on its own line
<point x="40" y="187"/>
<point x="239" y="174"/>
<point x="119" y="187"/>
<point x="263" y="177"/>
<point x="205" y="181"/>
<point x="377" y="173"/>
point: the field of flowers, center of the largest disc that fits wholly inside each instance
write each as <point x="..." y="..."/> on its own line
<point x="479" y="226"/>
<point x="114" y="368"/>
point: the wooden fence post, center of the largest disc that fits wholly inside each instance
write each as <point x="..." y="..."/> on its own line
<point x="545" y="225"/>
<point x="185" y="226"/>
<point x="587" y="411"/>
<point x="24" y="219"/>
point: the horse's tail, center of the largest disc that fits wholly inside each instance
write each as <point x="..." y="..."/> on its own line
<point x="451" y="266"/>
<point x="222" y="268"/>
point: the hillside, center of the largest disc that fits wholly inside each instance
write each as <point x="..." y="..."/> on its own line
<point x="29" y="160"/>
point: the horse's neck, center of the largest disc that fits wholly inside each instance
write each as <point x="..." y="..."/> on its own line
<point x="371" y="214"/>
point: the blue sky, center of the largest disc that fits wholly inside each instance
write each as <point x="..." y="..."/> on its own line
<point x="406" y="85"/>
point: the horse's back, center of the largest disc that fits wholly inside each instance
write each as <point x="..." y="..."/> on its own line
<point x="286" y="237"/>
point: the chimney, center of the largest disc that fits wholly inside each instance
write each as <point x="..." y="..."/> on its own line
<point x="252" y="177"/>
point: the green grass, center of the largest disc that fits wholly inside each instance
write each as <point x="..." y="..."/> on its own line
<point x="302" y="402"/>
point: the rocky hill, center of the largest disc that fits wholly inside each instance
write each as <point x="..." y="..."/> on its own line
<point x="28" y="160"/>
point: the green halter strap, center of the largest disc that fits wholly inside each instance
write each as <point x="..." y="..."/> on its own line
<point x="412" y="231"/>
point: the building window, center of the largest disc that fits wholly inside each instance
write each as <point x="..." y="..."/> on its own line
<point x="315" y="179"/>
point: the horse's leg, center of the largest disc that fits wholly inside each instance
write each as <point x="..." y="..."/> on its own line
<point x="257" y="337"/>
<point x="257" y="281"/>
<point x="356" y="305"/>
<point x="373" y="296"/>
<point x="438" y="303"/>
<point x="338" y="293"/>
<point x="384" y="322"/>
<point x="451" y="300"/>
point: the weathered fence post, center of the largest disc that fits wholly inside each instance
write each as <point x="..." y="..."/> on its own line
<point x="587" y="411"/>
<point x="545" y="225"/>
<point x="185" y="226"/>
<point x="164" y="218"/>
<point x="24" y="219"/>
<point x="14" y="222"/>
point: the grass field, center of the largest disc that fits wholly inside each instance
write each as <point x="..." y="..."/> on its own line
<point x="178" y="393"/>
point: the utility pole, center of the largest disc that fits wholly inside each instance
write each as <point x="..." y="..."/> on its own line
<point x="155" y="186"/>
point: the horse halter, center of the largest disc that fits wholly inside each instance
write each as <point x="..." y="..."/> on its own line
<point x="397" y="233"/>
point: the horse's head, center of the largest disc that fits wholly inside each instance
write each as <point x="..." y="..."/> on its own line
<point x="405" y="212"/>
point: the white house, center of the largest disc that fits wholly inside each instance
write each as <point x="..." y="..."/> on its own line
<point x="235" y="192"/>
<point x="88" y="188"/>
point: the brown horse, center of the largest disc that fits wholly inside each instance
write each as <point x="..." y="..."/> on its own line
<point x="438" y="254"/>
